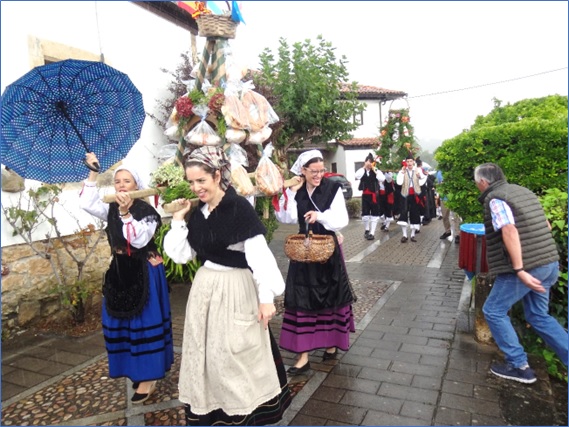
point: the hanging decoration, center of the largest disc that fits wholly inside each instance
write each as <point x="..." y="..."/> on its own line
<point x="396" y="139"/>
<point x="220" y="109"/>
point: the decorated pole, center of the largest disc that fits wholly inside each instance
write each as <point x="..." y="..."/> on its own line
<point x="217" y="29"/>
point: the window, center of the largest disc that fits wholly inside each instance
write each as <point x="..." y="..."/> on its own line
<point x="359" y="118"/>
<point x="358" y="165"/>
<point x="43" y="51"/>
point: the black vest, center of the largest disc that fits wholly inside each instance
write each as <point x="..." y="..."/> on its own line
<point x="538" y="246"/>
<point x="234" y="220"/>
<point x="313" y="287"/>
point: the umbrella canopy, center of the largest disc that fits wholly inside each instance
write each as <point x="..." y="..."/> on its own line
<point x="56" y="113"/>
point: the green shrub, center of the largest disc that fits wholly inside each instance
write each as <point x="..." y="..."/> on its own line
<point x="527" y="139"/>
<point x="178" y="273"/>
<point x="263" y="206"/>
<point x="354" y="207"/>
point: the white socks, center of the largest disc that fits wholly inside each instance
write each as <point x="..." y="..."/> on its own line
<point x="366" y="219"/>
<point x="374" y="220"/>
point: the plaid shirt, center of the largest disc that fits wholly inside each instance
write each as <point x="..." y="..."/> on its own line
<point x="501" y="214"/>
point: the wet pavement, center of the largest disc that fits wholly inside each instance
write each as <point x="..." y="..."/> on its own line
<point x="413" y="359"/>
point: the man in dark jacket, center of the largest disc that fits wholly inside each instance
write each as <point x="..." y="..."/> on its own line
<point x="523" y="258"/>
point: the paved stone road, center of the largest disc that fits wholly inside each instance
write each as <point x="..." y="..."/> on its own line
<point x="413" y="360"/>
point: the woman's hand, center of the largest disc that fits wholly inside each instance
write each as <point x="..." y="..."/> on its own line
<point x="91" y="159"/>
<point x="181" y="214"/>
<point x="300" y="180"/>
<point x="124" y="201"/>
<point x="310" y="217"/>
<point x="266" y="313"/>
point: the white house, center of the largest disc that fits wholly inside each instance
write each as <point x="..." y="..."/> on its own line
<point x="349" y="155"/>
<point x="137" y="38"/>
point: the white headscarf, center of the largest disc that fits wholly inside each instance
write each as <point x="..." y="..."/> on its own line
<point x="127" y="166"/>
<point x="303" y="159"/>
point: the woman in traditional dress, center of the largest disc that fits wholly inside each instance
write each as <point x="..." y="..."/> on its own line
<point x="136" y="307"/>
<point x="318" y="299"/>
<point x="231" y="371"/>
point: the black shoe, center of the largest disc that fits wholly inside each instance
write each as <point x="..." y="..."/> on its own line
<point x="413" y="239"/>
<point x="329" y="356"/>
<point x="135" y="385"/>
<point x="386" y="230"/>
<point x="404" y="240"/>
<point x="370" y="237"/>
<point x="293" y="370"/>
<point x="439" y="217"/>
<point x="445" y="235"/>
<point x="457" y="240"/>
<point x="382" y="227"/>
<point x="417" y="231"/>
<point x="366" y="234"/>
<point x="143" y="397"/>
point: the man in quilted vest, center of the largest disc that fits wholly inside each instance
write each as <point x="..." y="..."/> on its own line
<point x="523" y="258"/>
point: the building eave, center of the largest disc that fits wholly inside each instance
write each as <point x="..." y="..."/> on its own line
<point x="170" y="11"/>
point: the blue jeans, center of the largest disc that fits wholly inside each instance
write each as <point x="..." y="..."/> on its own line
<point x="509" y="289"/>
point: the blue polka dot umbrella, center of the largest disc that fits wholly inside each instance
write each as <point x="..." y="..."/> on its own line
<point x="56" y="113"/>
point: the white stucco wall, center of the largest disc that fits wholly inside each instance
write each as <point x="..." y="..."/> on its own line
<point x="132" y="39"/>
<point x="371" y="123"/>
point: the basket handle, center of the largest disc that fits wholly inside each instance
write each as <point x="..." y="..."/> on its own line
<point x="308" y="231"/>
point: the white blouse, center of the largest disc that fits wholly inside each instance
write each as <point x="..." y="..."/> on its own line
<point x="333" y="219"/>
<point x="259" y="257"/>
<point x="140" y="233"/>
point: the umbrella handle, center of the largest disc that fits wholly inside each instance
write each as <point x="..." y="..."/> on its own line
<point x="94" y="167"/>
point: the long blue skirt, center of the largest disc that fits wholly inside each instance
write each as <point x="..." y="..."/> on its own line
<point x="141" y="348"/>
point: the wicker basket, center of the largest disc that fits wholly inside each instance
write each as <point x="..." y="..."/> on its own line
<point x="309" y="247"/>
<point x="216" y="26"/>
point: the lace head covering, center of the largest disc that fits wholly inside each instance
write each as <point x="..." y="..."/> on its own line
<point x="129" y="167"/>
<point x="215" y="158"/>
<point x="303" y="159"/>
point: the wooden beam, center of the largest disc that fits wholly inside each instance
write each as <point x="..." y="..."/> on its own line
<point x="170" y="11"/>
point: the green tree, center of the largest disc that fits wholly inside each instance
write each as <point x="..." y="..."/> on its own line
<point x="308" y="88"/>
<point x="528" y="139"/>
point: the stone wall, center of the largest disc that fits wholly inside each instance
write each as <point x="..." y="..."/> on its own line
<point x="29" y="283"/>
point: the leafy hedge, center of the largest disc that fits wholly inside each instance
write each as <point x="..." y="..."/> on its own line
<point x="527" y="139"/>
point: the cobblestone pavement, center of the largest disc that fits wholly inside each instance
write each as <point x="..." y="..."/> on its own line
<point x="409" y="363"/>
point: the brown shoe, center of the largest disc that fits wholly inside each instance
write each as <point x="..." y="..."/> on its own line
<point x="413" y="239"/>
<point x="404" y="240"/>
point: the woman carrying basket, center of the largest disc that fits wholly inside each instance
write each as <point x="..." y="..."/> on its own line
<point x="318" y="300"/>
<point x="231" y="371"/>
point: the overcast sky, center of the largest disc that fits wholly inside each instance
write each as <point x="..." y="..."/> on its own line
<point x="427" y="47"/>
